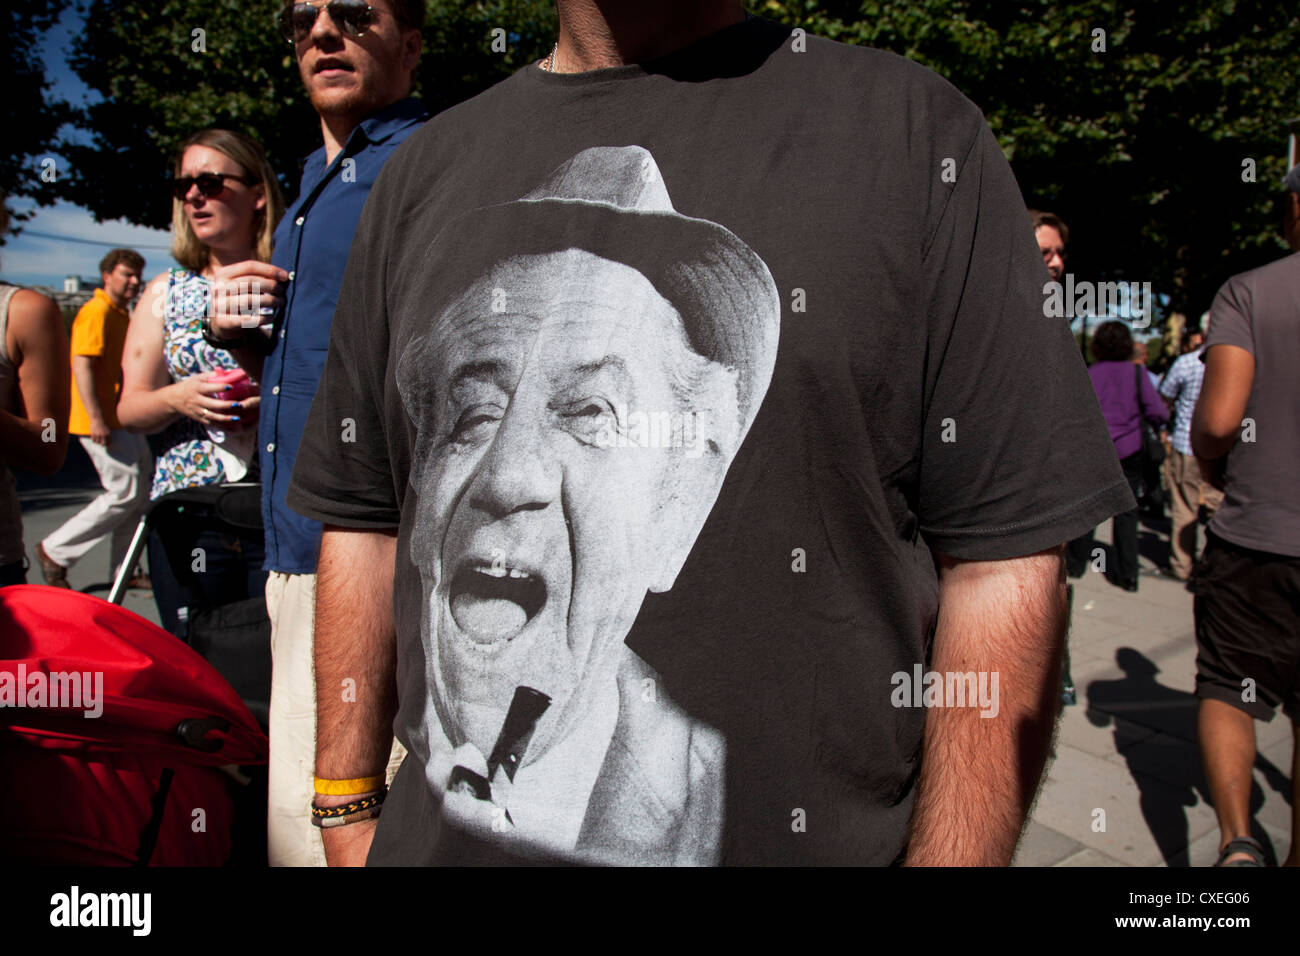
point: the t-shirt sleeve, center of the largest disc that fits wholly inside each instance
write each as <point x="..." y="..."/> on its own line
<point x="1230" y="318"/>
<point x="1016" y="457"/>
<point x="88" y="331"/>
<point x="343" y="474"/>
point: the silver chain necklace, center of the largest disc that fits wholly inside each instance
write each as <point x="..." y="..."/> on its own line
<point x="549" y="63"/>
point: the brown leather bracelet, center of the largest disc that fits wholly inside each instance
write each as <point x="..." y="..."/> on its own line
<point x="355" y="812"/>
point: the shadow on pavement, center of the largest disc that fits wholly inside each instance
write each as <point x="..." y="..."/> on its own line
<point x="1154" y="546"/>
<point x="1167" y="771"/>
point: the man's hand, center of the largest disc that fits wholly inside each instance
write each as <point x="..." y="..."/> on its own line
<point x="980" y="774"/>
<point x="348" y="845"/>
<point x="245" y="295"/>
<point x="85" y="371"/>
<point x="99" y="431"/>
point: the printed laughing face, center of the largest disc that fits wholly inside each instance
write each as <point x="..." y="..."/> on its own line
<point x="537" y="536"/>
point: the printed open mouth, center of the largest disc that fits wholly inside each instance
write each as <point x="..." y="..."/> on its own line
<point x="491" y="602"/>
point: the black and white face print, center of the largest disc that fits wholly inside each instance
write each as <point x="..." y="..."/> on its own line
<point x="577" y="405"/>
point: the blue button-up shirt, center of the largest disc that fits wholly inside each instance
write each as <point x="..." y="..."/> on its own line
<point x="311" y="244"/>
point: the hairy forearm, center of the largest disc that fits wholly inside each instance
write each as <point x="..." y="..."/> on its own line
<point x="355" y="653"/>
<point x="979" y="775"/>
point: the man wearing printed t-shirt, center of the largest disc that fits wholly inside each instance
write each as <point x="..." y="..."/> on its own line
<point x="679" y="435"/>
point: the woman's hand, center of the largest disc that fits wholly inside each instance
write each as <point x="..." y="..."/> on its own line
<point x="247" y="409"/>
<point x="200" y="399"/>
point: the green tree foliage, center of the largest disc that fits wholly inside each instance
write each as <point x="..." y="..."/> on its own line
<point x="459" y="60"/>
<point x="1140" y="147"/>
<point x="160" y="84"/>
<point x="28" y="114"/>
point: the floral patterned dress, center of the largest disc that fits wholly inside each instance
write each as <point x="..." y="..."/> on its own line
<point x="187" y="459"/>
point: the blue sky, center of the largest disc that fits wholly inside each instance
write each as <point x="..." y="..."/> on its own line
<point x="64" y="239"/>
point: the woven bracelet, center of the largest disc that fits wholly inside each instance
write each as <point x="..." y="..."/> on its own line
<point x="354" y="812"/>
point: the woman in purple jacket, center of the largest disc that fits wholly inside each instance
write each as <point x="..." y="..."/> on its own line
<point x="1126" y="396"/>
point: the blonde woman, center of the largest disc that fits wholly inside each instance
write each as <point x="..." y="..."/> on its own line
<point x="226" y="204"/>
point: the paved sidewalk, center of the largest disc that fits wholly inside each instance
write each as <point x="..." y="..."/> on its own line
<point x="1128" y="748"/>
<point x="47" y="503"/>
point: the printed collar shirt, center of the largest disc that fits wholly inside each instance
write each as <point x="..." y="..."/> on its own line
<point x="1183" y="385"/>
<point x="312" y="244"/>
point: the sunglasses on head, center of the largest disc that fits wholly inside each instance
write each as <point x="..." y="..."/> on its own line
<point x="352" y="17"/>
<point x="210" y="184"/>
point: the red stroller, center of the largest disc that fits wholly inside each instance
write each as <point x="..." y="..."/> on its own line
<point x="118" y="743"/>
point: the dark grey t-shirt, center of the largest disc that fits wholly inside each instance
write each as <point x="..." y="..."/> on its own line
<point x="1259" y="311"/>
<point x="671" y="377"/>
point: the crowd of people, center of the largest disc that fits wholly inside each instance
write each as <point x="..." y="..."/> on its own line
<point x="597" y="648"/>
<point x="1215" y="474"/>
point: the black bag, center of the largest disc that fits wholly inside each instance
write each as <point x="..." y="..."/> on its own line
<point x="1153" y="449"/>
<point x="236" y="640"/>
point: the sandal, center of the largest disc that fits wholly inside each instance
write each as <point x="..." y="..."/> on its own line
<point x="55" y="574"/>
<point x="1247" y="845"/>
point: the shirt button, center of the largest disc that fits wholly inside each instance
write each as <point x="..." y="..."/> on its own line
<point x="300" y="220"/>
<point x="290" y="276"/>
<point x="270" y="447"/>
<point x="276" y="390"/>
<point x="282" y="333"/>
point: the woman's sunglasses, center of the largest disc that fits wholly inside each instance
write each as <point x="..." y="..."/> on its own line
<point x="352" y="17"/>
<point x="210" y="184"/>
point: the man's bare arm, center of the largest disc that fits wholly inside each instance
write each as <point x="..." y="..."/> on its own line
<point x="1225" y="392"/>
<point x="979" y="775"/>
<point x="355" y="639"/>
<point x="86" y="369"/>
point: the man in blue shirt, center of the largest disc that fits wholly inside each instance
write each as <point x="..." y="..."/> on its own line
<point x="1187" y="490"/>
<point x="357" y="62"/>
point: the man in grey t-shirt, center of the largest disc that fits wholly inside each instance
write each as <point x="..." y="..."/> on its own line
<point x="1248" y="583"/>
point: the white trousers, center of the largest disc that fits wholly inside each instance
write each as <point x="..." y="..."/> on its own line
<point x="125" y="469"/>
<point x="291" y="838"/>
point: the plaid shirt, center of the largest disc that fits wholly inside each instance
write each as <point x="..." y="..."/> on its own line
<point x="1183" y="384"/>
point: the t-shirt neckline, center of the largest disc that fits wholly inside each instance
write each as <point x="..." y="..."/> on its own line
<point x="720" y="45"/>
